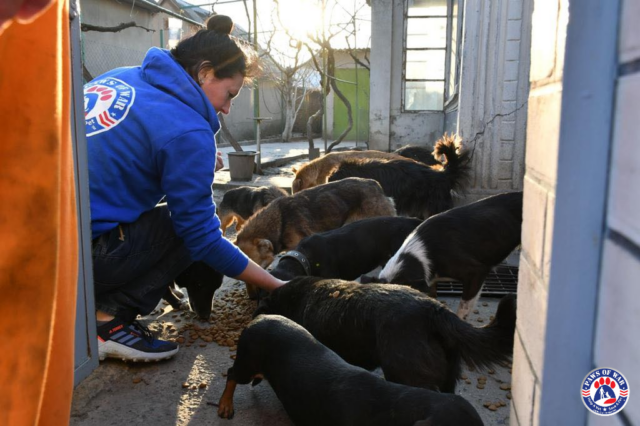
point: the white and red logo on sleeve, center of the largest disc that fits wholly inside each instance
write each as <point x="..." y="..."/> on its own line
<point x="106" y="104"/>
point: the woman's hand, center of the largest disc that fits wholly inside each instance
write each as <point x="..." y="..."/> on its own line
<point x="219" y="162"/>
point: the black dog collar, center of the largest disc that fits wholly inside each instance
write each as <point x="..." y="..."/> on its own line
<point x="301" y="258"/>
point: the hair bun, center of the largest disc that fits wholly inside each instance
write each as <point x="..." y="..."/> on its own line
<point x="220" y="24"/>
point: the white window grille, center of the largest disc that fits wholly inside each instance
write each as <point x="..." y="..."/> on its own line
<point x="431" y="53"/>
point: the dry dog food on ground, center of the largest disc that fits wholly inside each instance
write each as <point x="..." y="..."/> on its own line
<point x="505" y="386"/>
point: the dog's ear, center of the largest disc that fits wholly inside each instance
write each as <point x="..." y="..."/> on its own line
<point x="263" y="245"/>
<point x="294" y="170"/>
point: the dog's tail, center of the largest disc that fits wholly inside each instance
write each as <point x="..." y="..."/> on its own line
<point x="457" y="164"/>
<point x="483" y="347"/>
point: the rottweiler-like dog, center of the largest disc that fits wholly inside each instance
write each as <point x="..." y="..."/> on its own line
<point x="317" y="388"/>
<point x="347" y="252"/>
<point x="417" y="341"/>
<point x="239" y="204"/>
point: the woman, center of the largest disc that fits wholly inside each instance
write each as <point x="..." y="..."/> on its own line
<point x="150" y="133"/>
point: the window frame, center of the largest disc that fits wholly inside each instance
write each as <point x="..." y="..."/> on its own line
<point x="451" y="98"/>
<point x="446" y="96"/>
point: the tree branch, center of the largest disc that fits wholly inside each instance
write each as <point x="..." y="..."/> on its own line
<point x="88" y="27"/>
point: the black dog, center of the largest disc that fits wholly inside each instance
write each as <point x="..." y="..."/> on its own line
<point x="240" y="204"/>
<point x="317" y="388"/>
<point x="463" y="243"/>
<point x="201" y="282"/>
<point x="417" y="341"/>
<point x="418" y="190"/>
<point x="423" y="154"/>
<point x="346" y="252"/>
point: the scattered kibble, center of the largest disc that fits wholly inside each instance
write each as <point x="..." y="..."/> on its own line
<point x="505" y="386"/>
<point x="137" y="380"/>
<point x="185" y="385"/>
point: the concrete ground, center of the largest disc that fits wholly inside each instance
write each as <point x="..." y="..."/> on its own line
<point x="185" y="390"/>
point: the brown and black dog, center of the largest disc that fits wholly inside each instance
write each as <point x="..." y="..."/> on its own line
<point x="287" y="220"/>
<point x="413" y="338"/>
<point x="317" y="172"/>
<point x="239" y="204"/>
<point x="317" y="388"/>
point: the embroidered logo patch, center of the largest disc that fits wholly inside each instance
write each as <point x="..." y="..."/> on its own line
<point x="106" y="104"/>
<point x="605" y="391"/>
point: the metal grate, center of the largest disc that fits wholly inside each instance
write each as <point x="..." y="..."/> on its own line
<point x="502" y="280"/>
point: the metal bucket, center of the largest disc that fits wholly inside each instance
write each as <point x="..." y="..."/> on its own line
<point x="241" y="164"/>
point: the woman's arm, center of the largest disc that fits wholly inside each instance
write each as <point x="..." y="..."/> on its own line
<point x="255" y="275"/>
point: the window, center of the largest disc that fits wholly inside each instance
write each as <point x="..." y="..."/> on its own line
<point x="431" y="63"/>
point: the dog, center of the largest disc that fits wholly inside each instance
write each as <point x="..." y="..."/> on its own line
<point x="287" y="220"/>
<point x="239" y="204"/>
<point x="317" y="171"/>
<point x="317" y="388"/>
<point x="417" y="341"/>
<point x="464" y="243"/>
<point x="423" y="154"/>
<point x="201" y="282"/>
<point x="346" y="252"/>
<point x="418" y="190"/>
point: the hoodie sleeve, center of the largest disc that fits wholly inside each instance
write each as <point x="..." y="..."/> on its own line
<point x="186" y="166"/>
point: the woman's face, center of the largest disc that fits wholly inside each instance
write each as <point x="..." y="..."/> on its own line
<point x="220" y="92"/>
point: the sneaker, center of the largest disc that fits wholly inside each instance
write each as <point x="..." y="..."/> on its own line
<point x="132" y="342"/>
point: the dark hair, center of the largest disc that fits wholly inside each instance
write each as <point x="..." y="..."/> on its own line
<point x="215" y="48"/>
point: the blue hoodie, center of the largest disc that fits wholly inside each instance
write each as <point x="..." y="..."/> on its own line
<point x="150" y="133"/>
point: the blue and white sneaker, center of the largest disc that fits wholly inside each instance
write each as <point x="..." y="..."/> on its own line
<point x="132" y="341"/>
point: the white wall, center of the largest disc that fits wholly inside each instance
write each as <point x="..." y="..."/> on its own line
<point x="567" y="168"/>
<point x="491" y="111"/>
<point x="619" y="288"/>
<point x="494" y="87"/>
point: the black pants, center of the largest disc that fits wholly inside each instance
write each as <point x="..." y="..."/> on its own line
<point x="134" y="263"/>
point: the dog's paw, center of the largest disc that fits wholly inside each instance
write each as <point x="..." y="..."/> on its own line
<point x="225" y="410"/>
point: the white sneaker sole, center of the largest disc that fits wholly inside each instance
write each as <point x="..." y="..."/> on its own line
<point x="111" y="349"/>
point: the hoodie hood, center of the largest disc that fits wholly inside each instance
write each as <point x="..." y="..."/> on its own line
<point x="162" y="71"/>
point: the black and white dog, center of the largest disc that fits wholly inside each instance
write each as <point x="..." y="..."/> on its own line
<point x="418" y="190"/>
<point x="346" y="252"/>
<point x="464" y="243"/>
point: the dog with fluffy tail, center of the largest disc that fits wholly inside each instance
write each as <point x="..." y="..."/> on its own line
<point x="418" y="190"/>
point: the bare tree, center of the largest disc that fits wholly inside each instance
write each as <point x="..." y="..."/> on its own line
<point x="291" y="75"/>
<point x="321" y="46"/>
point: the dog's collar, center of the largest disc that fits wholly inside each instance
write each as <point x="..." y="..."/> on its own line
<point x="301" y="258"/>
